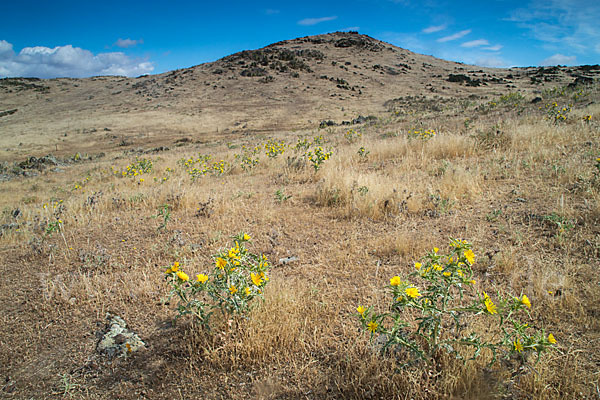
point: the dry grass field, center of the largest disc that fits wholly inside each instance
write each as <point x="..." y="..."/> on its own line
<point x="86" y="237"/>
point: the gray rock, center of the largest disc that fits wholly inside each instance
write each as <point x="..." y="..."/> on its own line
<point x="116" y="340"/>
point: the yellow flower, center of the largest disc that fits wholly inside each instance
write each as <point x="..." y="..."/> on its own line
<point x="472" y="281"/>
<point x="247" y="291"/>
<point x="233" y="253"/>
<point x="202" y="278"/>
<point x="232" y="289"/>
<point x="361" y="310"/>
<point x="447" y="273"/>
<point x="551" y="339"/>
<point x="412" y="292"/>
<point x="525" y="300"/>
<point x="175" y="267"/>
<point x="435" y="249"/>
<point x="373" y="326"/>
<point x="221" y="263"/>
<point x="470" y="256"/>
<point x="395" y="281"/>
<point x="489" y="304"/>
<point x="168" y="271"/>
<point x="246" y="236"/>
<point x="460" y="272"/>
<point x="141" y="180"/>
<point x="256" y="279"/>
<point x="518" y="346"/>
<point x="183" y="276"/>
<point x="417" y="265"/>
<point x="437" y="267"/>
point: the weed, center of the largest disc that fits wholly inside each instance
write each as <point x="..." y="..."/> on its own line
<point x="445" y="305"/>
<point x="280" y="195"/>
<point x="237" y="278"/>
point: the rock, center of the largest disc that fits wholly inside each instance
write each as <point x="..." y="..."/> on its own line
<point x="287" y="260"/>
<point x="116" y="340"/>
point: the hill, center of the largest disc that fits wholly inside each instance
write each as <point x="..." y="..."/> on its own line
<point x="289" y="85"/>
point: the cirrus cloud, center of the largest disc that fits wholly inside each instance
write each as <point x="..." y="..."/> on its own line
<point x="126" y="43"/>
<point x="67" y="61"/>
<point x="314" y="21"/>
<point x="455" y="36"/>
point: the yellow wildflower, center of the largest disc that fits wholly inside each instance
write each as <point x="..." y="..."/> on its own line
<point x="518" y="345"/>
<point x="412" y="292"/>
<point x="175" y="267"/>
<point x="435" y="249"/>
<point x="221" y="263"/>
<point x="489" y="304"/>
<point x="551" y="339"/>
<point x="472" y="281"/>
<point x="373" y="326"/>
<point x="202" y="278"/>
<point x="183" y="276"/>
<point x="361" y="310"/>
<point x="256" y="279"/>
<point x="246" y="236"/>
<point x="395" y="281"/>
<point x="447" y="273"/>
<point x="232" y="289"/>
<point x="437" y="267"/>
<point x="417" y="265"/>
<point x="460" y="272"/>
<point x="247" y="291"/>
<point x="470" y="256"/>
<point x="525" y="300"/>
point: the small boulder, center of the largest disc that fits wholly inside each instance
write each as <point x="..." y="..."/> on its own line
<point x="116" y="340"/>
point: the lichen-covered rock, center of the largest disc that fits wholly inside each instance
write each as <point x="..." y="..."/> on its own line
<point x="116" y="340"/>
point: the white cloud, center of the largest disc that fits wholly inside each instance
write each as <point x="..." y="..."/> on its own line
<point x="565" y="24"/>
<point x="559" y="59"/>
<point x="475" y="43"/>
<point x="126" y="43"/>
<point x="495" y="62"/>
<point x="457" y="35"/>
<point x="314" y="21"/>
<point x="496" y="47"/>
<point x="67" y="61"/>
<point x="435" y="28"/>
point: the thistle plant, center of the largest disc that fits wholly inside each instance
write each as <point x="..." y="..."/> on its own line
<point x="444" y="305"/>
<point x="236" y="279"/>
<point x="318" y="156"/>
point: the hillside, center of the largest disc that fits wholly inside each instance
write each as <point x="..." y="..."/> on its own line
<point x="382" y="229"/>
<point x="290" y="85"/>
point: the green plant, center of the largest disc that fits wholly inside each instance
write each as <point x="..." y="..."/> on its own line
<point x="318" y="156"/>
<point x="445" y="306"/>
<point x="493" y="216"/>
<point x="164" y="211"/>
<point x="421" y="134"/>
<point x="280" y="195"/>
<point x="351" y="135"/>
<point x="238" y="277"/>
<point x="363" y="153"/>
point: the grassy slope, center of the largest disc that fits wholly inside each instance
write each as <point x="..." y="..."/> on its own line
<point x="493" y="181"/>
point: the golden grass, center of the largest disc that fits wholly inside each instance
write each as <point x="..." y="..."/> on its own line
<point x="352" y="225"/>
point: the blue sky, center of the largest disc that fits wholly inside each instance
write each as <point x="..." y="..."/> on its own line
<point x="85" y="38"/>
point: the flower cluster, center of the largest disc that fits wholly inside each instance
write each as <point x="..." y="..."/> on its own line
<point x="236" y="278"/>
<point x="138" y="167"/>
<point x="557" y="113"/>
<point x="422" y="134"/>
<point x="318" y="156"/>
<point x="273" y="148"/>
<point x="442" y="302"/>
<point x="351" y="135"/>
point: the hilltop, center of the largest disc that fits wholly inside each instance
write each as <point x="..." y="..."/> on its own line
<point x="290" y="85"/>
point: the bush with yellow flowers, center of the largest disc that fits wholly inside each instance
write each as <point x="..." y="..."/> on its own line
<point x="236" y="279"/>
<point x="444" y="305"/>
